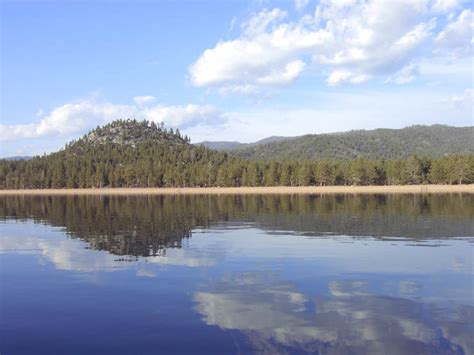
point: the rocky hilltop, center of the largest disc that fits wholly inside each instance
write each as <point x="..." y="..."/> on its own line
<point x="129" y="153"/>
<point x="133" y="133"/>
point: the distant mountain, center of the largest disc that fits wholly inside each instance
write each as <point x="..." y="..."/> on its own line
<point x="272" y="139"/>
<point x="18" y="157"/>
<point x="128" y="153"/>
<point x="430" y="141"/>
<point x="226" y="145"/>
<point x="221" y="145"/>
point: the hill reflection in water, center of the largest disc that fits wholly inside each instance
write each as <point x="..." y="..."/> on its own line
<point x="331" y="274"/>
<point x="148" y="225"/>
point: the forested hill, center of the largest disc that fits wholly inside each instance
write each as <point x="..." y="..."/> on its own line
<point x="428" y="141"/>
<point x="130" y="133"/>
<point x="122" y="153"/>
<point x="226" y="145"/>
<point x="128" y="153"/>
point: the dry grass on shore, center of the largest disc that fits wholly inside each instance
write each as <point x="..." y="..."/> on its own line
<point x="409" y="189"/>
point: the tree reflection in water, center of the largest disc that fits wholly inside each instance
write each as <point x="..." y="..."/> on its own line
<point x="148" y="225"/>
<point x="368" y="297"/>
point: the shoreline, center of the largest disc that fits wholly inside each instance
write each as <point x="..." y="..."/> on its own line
<point x="393" y="189"/>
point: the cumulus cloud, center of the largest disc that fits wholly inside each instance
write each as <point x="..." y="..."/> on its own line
<point x="253" y="60"/>
<point x="184" y="116"/>
<point x="259" y="22"/>
<point x="464" y="99"/>
<point x="301" y="4"/>
<point x="344" y="76"/>
<point x="272" y="313"/>
<point x="78" y="117"/>
<point x="350" y="41"/>
<point x="456" y="38"/>
<point x="445" y="5"/>
<point x="405" y="75"/>
<point x="71" y="254"/>
<point x="68" y="119"/>
<point x="143" y="100"/>
<point x="65" y="254"/>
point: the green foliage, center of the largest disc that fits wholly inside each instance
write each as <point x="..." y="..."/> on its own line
<point x="128" y="153"/>
<point x="424" y="141"/>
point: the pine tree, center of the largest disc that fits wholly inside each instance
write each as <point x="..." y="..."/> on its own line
<point x="304" y="174"/>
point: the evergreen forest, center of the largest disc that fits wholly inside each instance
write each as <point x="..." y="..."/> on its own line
<point x="130" y="153"/>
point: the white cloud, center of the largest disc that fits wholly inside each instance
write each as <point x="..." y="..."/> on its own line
<point x="464" y="99"/>
<point x="232" y="24"/>
<point x="252" y="60"/>
<point x="335" y="110"/>
<point x="246" y="90"/>
<point x="259" y="22"/>
<point x="271" y="312"/>
<point x="456" y="38"/>
<point x="68" y="119"/>
<point x="405" y="75"/>
<point x="40" y="112"/>
<point x="350" y="41"/>
<point x="284" y="75"/>
<point x="71" y="254"/>
<point x="445" y="5"/>
<point x="143" y="100"/>
<point x="301" y="4"/>
<point x="339" y="77"/>
<point x="78" y="117"/>
<point x="184" y="116"/>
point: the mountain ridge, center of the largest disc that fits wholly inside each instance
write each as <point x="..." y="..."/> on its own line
<point x="382" y="143"/>
<point x="129" y="153"/>
<point x="231" y="145"/>
<point x="18" y="157"/>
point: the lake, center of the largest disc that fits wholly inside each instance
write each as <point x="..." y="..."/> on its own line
<point x="328" y="274"/>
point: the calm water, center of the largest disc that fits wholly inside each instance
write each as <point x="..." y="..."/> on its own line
<point x="220" y="275"/>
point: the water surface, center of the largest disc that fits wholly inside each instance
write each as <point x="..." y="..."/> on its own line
<point x="333" y="274"/>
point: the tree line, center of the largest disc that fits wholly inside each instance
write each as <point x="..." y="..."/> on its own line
<point x="140" y="154"/>
<point x="202" y="168"/>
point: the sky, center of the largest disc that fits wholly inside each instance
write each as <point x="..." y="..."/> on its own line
<point x="231" y="70"/>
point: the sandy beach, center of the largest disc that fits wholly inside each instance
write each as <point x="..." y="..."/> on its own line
<point x="407" y="189"/>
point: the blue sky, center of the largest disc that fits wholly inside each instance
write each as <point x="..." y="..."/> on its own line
<point x="231" y="70"/>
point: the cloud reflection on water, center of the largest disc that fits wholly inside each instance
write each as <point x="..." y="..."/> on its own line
<point x="275" y="316"/>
